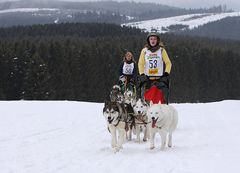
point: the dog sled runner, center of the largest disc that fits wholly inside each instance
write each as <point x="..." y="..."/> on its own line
<point x="157" y="91"/>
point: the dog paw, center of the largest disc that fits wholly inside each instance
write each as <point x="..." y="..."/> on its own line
<point x="151" y="148"/>
<point x="116" y="149"/>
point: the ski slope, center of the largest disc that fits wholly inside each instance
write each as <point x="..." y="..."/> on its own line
<point x="71" y="137"/>
<point x="191" y="20"/>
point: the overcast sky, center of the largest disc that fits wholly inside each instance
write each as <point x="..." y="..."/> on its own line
<point x="234" y="4"/>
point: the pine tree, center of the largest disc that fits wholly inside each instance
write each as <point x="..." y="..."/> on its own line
<point x="36" y="84"/>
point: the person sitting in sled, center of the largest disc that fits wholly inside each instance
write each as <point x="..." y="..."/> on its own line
<point x="154" y="66"/>
<point x="127" y="72"/>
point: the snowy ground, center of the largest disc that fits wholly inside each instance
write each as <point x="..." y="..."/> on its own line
<point x="71" y="137"/>
<point x="191" y="20"/>
<point x="27" y="10"/>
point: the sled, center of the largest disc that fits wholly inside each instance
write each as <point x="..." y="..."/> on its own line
<point x="155" y="95"/>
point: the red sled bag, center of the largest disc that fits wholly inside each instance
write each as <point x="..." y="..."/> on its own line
<point x="155" y="95"/>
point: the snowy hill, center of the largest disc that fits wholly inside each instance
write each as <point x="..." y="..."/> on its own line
<point x="14" y="13"/>
<point x="71" y="137"/>
<point x="27" y="10"/>
<point x="181" y="22"/>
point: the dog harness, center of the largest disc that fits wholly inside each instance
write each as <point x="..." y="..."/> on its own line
<point x="141" y="120"/>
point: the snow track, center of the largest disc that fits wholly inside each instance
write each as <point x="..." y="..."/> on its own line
<point x="71" y="137"/>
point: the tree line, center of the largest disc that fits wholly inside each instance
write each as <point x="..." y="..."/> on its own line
<point x="227" y="28"/>
<point x="80" y="62"/>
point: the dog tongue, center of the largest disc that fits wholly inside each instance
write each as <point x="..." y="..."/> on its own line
<point x="154" y="123"/>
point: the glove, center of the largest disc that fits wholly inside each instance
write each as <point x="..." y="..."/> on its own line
<point x="143" y="78"/>
<point x="165" y="74"/>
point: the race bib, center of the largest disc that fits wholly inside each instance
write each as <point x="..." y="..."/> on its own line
<point x="128" y="68"/>
<point x="153" y="72"/>
<point x="153" y="63"/>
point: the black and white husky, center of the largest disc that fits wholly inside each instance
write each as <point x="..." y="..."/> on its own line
<point x="129" y="97"/>
<point x="140" y="119"/>
<point x="116" y="122"/>
<point x="116" y="95"/>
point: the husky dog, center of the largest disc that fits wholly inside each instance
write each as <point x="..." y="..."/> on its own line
<point x="128" y="100"/>
<point x="115" y="118"/>
<point x="163" y="119"/>
<point x="140" y="118"/>
<point x="129" y="120"/>
<point x="129" y="97"/>
<point x="116" y="95"/>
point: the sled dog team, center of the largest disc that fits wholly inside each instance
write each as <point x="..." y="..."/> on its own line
<point x="129" y="116"/>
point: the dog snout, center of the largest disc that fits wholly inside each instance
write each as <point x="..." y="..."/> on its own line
<point x="139" y="112"/>
<point x="109" y="118"/>
<point x="153" y="118"/>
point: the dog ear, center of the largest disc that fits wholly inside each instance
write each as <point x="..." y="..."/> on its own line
<point x="151" y="103"/>
<point x="133" y="103"/>
<point x="119" y="108"/>
<point x="136" y="97"/>
<point x="105" y="102"/>
<point x="143" y="100"/>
